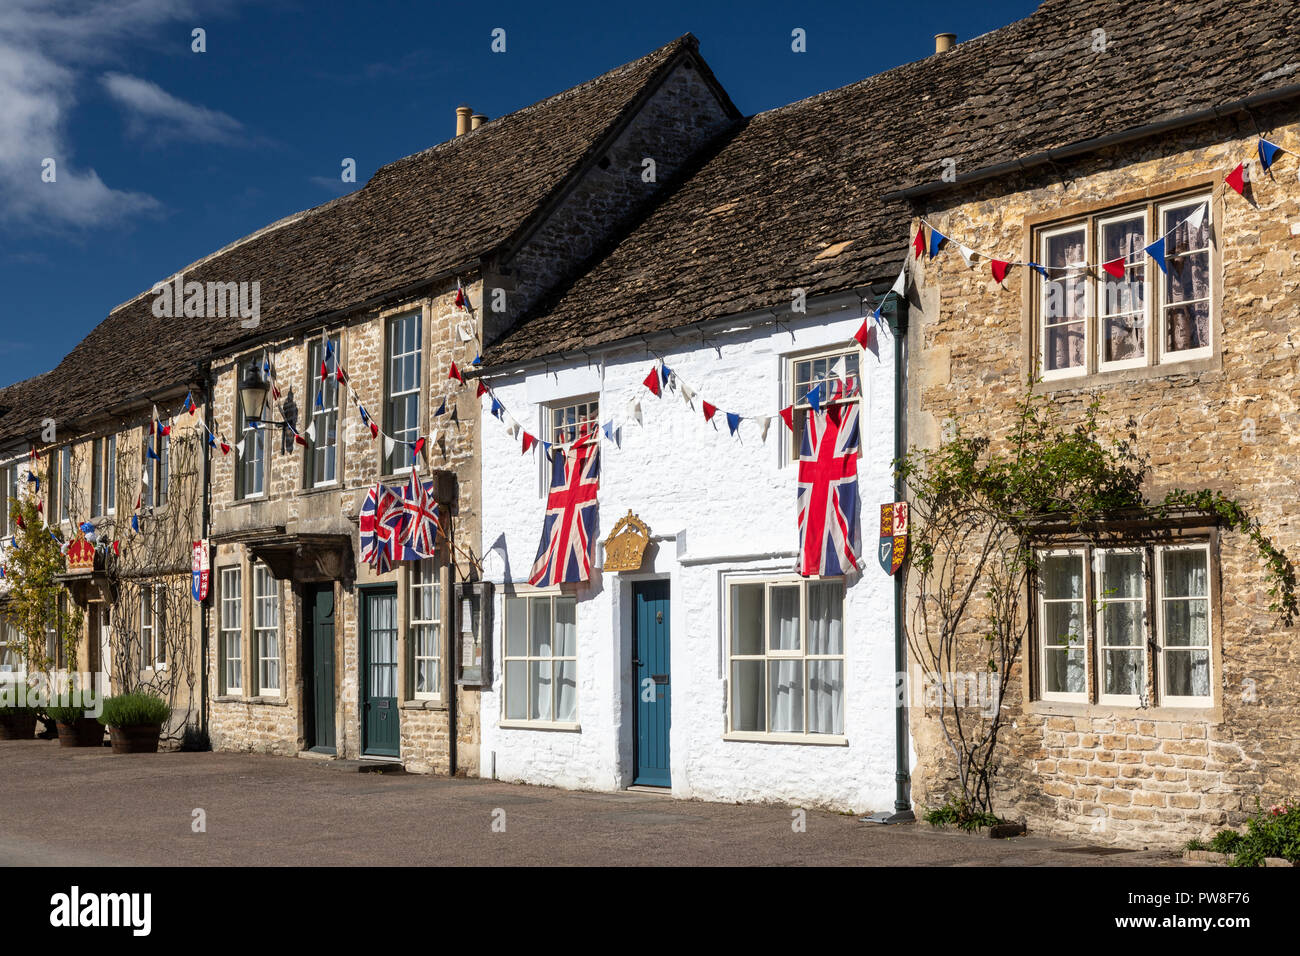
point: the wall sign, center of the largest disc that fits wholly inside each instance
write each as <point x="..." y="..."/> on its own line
<point x="893" y="536"/>
<point x="201" y="572"/>
<point x="625" y="547"/>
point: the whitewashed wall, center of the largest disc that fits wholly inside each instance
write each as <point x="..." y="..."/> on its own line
<point x="721" y="504"/>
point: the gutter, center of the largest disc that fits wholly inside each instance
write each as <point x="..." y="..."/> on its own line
<point x="1072" y="150"/>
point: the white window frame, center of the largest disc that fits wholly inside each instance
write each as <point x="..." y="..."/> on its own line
<point x="391" y="356"/>
<point x="262" y="632"/>
<point x="320" y="416"/>
<point x="63" y="489"/>
<point x="1163" y="648"/>
<point x="1042" y="647"/>
<point x="1087" y="320"/>
<point x="11" y="638"/>
<point x="1188" y="204"/>
<point x="770" y="582"/>
<point x="1143" y="264"/>
<point x="231" y="581"/>
<point x="551" y="432"/>
<point x="790" y="385"/>
<point x="253" y="438"/>
<point x="1099" y="629"/>
<point x="8" y="494"/>
<point x="416" y="583"/>
<point x="153" y="599"/>
<point x="160" y="470"/>
<point x="527" y="658"/>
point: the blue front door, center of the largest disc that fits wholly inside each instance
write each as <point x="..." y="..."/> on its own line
<point x="651" y="647"/>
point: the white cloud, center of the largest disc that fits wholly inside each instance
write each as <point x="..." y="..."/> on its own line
<point x="39" y="40"/>
<point x="154" y="114"/>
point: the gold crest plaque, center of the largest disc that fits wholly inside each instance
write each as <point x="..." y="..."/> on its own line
<point x="626" y="544"/>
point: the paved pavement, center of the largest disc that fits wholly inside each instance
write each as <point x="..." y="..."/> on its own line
<point x="89" y="807"/>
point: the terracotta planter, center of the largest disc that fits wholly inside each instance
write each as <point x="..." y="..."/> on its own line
<point x="82" y="732"/>
<point x="17" y="726"/>
<point x="139" y="739"/>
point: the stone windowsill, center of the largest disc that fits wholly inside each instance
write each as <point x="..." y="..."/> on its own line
<point x="540" y="725"/>
<point x="264" y="701"/>
<point x="1064" y="708"/>
<point x="423" y="705"/>
<point x="1142" y="373"/>
<point x="812" y="740"/>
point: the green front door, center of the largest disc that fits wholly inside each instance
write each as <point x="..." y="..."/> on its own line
<point x="379" y="698"/>
<point x="321" y="669"/>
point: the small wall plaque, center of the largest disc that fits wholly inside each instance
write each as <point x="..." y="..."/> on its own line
<point x="626" y="544"/>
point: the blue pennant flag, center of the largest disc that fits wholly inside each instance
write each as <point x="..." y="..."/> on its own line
<point x="877" y="316"/>
<point x="497" y="408"/>
<point x="32" y="476"/>
<point x="937" y="239"/>
<point x="212" y="440"/>
<point x="135" y="523"/>
<point x="733" y="422"/>
<point x="478" y="360"/>
<point x="254" y="423"/>
<point x="664" y="372"/>
<point x="815" y="397"/>
<point x="320" y="399"/>
<point x="608" y="429"/>
<point x="329" y="348"/>
<point x="442" y="409"/>
<point x="148" y="450"/>
<point x="1040" y="270"/>
<point x="1157" y="252"/>
<point x="365" y="419"/>
<point x="1267" y="153"/>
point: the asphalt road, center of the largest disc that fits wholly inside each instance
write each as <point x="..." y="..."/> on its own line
<point x="89" y="807"/>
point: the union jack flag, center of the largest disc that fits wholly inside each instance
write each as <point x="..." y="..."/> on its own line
<point x="564" y="554"/>
<point x="382" y="521"/>
<point x="829" y="536"/>
<point x="421" y="511"/>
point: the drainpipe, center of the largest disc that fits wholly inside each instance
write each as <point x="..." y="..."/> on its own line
<point x="209" y="388"/>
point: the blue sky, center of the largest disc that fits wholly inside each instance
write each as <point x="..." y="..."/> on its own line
<point x="163" y="154"/>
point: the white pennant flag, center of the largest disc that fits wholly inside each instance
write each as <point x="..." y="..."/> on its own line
<point x="763" y="422"/>
<point x="900" y="284"/>
<point x="239" y="448"/>
<point x="388" y="447"/>
<point x="1195" y="219"/>
<point x="969" y="254"/>
<point x="634" y="411"/>
<point x="311" y="430"/>
<point x="841" y="368"/>
<point x="688" y="394"/>
<point x="466" y="330"/>
<point x="513" y="429"/>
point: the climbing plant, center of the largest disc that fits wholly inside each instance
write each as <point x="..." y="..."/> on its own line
<point x="39" y="606"/>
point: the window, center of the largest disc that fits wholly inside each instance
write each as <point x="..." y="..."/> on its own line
<point x="153" y="627"/>
<point x="158" y="469"/>
<point x="8" y="495"/>
<point x="1119" y="586"/>
<point x="806" y="372"/>
<point x="250" y="469"/>
<point x="541" y="668"/>
<point x="322" y="453"/>
<point x="403" y="399"/>
<point x="564" y="424"/>
<point x="1134" y="313"/>
<point x="232" y="631"/>
<point x="62" y="488"/>
<point x="103" y="476"/>
<point x="266" y="628"/>
<point x="425" y="632"/>
<point x="11" y="648"/>
<point x="56" y="613"/>
<point x="786" y="656"/>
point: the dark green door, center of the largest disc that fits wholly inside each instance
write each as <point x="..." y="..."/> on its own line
<point x="379" y="703"/>
<point x="321" y="625"/>
<point x="651" y="642"/>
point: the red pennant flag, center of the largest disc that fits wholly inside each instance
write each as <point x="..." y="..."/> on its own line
<point x="460" y="297"/>
<point x="709" y="411"/>
<point x="918" y="243"/>
<point x="338" y="373"/>
<point x="999" y="269"/>
<point x="299" y="439"/>
<point x="1237" y="179"/>
<point x="138" y="499"/>
<point x="324" y="372"/>
<point x="652" y="381"/>
<point x="225" y="449"/>
<point x="167" y="429"/>
<point x="117" y="547"/>
<point x="40" y="506"/>
<point x="787" y="416"/>
<point x="482" y="389"/>
<point x="374" y="430"/>
<point x="20" y="521"/>
<point x="419" y="445"/>
<point x="275" y="392"/>
<point x="529" y="442"/>
<point x="863" y="335"/>
<point x="1115" y="267"/>
<point x="455" y="374"/>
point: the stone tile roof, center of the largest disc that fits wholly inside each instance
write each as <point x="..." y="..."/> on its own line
<point x="798" y="198"/>
<point x="417" y="218"/>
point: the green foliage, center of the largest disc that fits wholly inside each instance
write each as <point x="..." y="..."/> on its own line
<point x="135" y="709"/>
<point x="1192" y="845"/>
<point x="6" y="711"/>
<point x="33" y="591"/>
<point x="959" y="812"/>
<point x="1272" y="831"/>
<point x="1225" y="841"/>
<point x="76" y="707"/>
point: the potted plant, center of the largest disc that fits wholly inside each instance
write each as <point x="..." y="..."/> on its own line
<point x="17" y="723"/>
<point x="135" y="721"/>
<point x="75" y="728"/>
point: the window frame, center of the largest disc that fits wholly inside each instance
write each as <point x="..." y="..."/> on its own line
<point x="153" y="597"/>
<point x="230" y="595"/>
<point x="790" y="385"/>
<point x="550" y="431"/>
<point x="8" y="494"/>
<point x="320" y="417"/>
<point x="1162" y="648"/>
<point x="61" y="488"/>
<point x="1099" y="298"/>
<point x="389" y="462"/>
<point x="770" y="582"/>
<point x="528" y="658"/>
<point x="261" y="632"/>
<point x="1145" y="630"/>
<point x="1041" y="648"/>
<point x="1156" y="360"/>
<point x="160" y="469"/>
<point x="250" y="436"/>
<point x="11" y="637"/>
<point x="414" y="584"/>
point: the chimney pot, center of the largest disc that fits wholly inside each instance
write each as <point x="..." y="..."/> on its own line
<point x="462" y="120"/>
<point x="477" y="120"/>
<point x="943" y="42"/>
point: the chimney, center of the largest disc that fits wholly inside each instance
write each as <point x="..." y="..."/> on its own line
<point x="943" y="42"/>
<point x="477" y="120"/>
<point x="462" y="120"/>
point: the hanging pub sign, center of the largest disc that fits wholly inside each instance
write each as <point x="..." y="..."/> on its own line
<point x="893" y="535"/>
<point x="202" y="574"/>
<point x="625" y="547"/>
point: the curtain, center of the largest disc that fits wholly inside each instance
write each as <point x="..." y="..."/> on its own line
<point x="785" y="696"/>
<point x="783" y="633"/>
<point x="566" y="692"/>
<point x="826" y="697"/>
